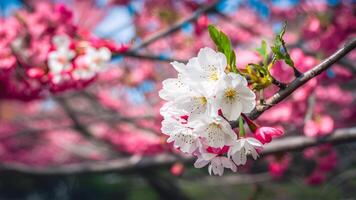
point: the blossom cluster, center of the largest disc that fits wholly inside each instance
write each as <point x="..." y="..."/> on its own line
<point x="44" y="51"/>
<point x="202" y="101"/>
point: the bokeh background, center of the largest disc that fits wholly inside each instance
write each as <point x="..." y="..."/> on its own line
<point x="103" y="141"/>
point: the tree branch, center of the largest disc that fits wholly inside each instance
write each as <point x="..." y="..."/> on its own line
<point x="300" y="81"/>
<point x="175" y="27"/>
<point x="129" y="165"/>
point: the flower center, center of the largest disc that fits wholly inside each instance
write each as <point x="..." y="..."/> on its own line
<point x="213" y="76"/>
<point x="62" y="60"/>
<point x="202" y="101"/>
<point x="230" y="94"/>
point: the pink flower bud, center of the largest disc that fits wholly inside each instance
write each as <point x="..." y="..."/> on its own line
<point x="265" y="134"/>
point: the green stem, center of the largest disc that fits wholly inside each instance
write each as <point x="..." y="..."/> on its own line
<point x="242" y="132"/>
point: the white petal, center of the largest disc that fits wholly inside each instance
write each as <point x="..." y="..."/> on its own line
<point x="247" y="106"/>
<point x="179" y="67"/>
<point x="209" y="169"/>
<point x="200" y="163"/>
<point x="104" y="53"/>
<point x="234" y="112"/>
<point x="254" y="142"/>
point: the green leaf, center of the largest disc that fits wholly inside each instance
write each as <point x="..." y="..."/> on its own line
<point x="263" y="52"/>
<point x="223" y="44"/>
<point x="214" y="33"/>
<point x="279" y="48"/>
<point x="233" y="62"/>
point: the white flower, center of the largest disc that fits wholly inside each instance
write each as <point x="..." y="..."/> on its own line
<point x="217" y="163"/>
<point x="60" y="61"/>
<point x="83" y="74"/>
<point x="192" y="98"/>
<point x="233" y="96"/>
<point x="215" y="130"/>
<point x="169" y="110"/>
<point x="97" y="58"/>
<point x="206" y="69"/>
<point x="61" y="41"/>
<point x="174" y="88"/>
<point x="191" y="117"/>
<point x="181" y="134"/>
<point x="242" y="147"/>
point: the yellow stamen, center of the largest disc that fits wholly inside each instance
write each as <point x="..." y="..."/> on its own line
<point x="203" y="101"/>
<point x="230" y="93"/>
<point x="214" y="76"/>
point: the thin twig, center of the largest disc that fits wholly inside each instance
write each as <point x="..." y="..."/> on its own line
<point x="175" y="27"/>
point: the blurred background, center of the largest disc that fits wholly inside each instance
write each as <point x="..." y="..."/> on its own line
<point x="100" y="138"/>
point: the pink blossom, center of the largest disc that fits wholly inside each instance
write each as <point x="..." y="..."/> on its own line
<point x="322" y="125"/>
<point x="278" y="165"/>
<point x="316" y="178"/>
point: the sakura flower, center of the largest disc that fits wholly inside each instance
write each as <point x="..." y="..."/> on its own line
<point x="192" y="98"/>
<point x="60" y="61"/>
<point x="206" y="69"/>
<point x="97" y="58"/>
<point x="242" y="147"/>
<point x="169" y="110"/>
<point x="234" y="97"/>
<point x="217" y="164"/>
<point x="216" y="130"/>
<point x="82" y="70"/>
<point x="61" y="41"/>
<point x="182" y="136"/>
<point x="322" y="125"/>
<point x="173" y="88"/>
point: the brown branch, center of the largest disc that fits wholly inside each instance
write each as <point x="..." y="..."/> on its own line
<point x="148" y="57"/>
<point x="129" y="165"/>
<point x="175" y="27"/>
<point x="300" y="81"/>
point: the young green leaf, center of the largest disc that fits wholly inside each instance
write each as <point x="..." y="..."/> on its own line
<point x="223" y="44"/>
<point x="263" y="52"/>
<point x="279" y="48"/>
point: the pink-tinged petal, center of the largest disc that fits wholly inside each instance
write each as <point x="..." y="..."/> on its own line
<point x="263" y="138"/>
<point x="265" y="134"/>
<point x="326" y="125"/>
<point x="200" y="163"/>
<point x="311" y="129"/>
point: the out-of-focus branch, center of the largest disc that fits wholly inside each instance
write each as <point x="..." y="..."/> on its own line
<point x="76" y="122"/>
<point x="149" y="57"/>
<point x="129" y="165"/>
<point x="105" y="147"/>
<point x="175" y="27"/>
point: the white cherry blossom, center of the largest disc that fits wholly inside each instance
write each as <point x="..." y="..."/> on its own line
<point x="174" y="88"/>
<point x="97" y="58"/>
<point x="206" y="69"/>
<point x="234" y="97"/>
<point x="61" y="41"/>
<point x="181" y="134"/>
<point x="215" y="130"/>
<point x="217" y="164"/>
<point x="243" y="147"/>
<point x="191" y="115"/>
